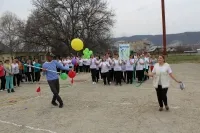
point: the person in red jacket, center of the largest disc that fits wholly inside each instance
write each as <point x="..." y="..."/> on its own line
<point x="2" y="77"/>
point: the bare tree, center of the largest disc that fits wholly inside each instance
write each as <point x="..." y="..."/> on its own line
<point x="55" y="23"/>
<point x="9" y="31"/>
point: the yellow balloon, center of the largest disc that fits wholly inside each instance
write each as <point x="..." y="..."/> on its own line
<point x="77" y="44"/>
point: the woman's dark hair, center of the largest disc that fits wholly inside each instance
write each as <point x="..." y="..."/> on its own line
<point x="163" y="57"/>
<point x="6" y="61"/>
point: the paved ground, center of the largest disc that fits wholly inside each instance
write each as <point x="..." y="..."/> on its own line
<point x="99" y="109"/>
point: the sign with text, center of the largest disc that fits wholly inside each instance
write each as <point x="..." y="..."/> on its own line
<point x="124" y="51"/>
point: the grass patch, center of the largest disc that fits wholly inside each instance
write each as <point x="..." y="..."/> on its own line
<point x="174" y="59"/>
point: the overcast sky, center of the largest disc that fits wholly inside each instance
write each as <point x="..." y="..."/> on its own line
<point x="135" y="17"/>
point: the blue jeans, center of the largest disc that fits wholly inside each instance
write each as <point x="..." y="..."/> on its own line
<point x="9" y="82"/>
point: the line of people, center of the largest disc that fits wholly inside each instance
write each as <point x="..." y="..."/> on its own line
<point x="15" y="72"/>
<point x="113" y="69"/>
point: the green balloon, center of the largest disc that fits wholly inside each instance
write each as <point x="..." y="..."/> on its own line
<point x="90" y="52"/>
<point x="63" y="76"/>
<point x="88" y="56"/>
<point x="86" y="49"/>
<point x="84" y="56"/>
<point x="84" y="52"/>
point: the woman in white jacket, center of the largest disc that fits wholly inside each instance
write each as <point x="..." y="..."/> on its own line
<point x="105" y="66"/>
<point x="15" y="70"/>
<point x="117" y="63"/>
<point x="162" y="73"/>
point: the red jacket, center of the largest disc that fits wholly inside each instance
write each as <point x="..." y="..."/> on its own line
<point x="2" y="72"/>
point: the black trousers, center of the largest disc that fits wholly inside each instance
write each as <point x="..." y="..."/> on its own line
<point x="84" y="68"/>
<point x="162" y="95"/>
<point x="146" y="77"/>
<point x="118" y="77"/>
<point x="140" y="75"/>
<point x="3" y="83"/>
<point x="106" y="78"/>
<point x="93" y="74"/>
<point x="20" y="75"/>
<point x="30" y="76"/>
<point x="37" y="76"/>
<point x="100" y="73"/>
<point x="87" y="68"/>
<point x="16" y="79"/>
<point x="55" y="88"/>
<point x="97" y="75"/>
<point x="124" y="76"/>
<point x="129" y="76"/>
<point x="76" y="68"/>
<point x="111" y="74"/>
<point x="80" y="68"/>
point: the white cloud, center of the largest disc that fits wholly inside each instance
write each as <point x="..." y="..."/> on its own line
<point x="135" y="16"/>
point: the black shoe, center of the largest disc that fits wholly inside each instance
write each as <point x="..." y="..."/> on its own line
<point x="61" y="105"/>
<point x="54" y="103"/>
<point x="8" y="90"/>
<point x="161" y="109"/>
<point x="12" y="90"/>
<point x="167" y="108"/>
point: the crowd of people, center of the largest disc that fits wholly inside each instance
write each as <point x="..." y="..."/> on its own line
<point x="112" y="69"/>
<point x="109" y="68"/>
<point x="12" y="74"/>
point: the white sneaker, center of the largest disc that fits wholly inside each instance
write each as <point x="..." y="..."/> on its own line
<point x="93" y="83"/>
<point x="1" y="90"/>
<point x="5" y="90"/>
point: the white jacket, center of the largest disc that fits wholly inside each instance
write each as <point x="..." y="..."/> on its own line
<point x="163" y="76"/>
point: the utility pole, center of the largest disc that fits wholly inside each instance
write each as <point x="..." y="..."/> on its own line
<point x="164" y="40"/>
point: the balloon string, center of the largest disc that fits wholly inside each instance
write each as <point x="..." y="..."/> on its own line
<point x="42" y="68"/>
<point x="72" y="81"/>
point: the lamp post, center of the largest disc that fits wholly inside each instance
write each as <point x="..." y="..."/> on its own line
<point x="164" y="40"/>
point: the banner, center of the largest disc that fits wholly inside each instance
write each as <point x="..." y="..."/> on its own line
<point x="124" y="51"/>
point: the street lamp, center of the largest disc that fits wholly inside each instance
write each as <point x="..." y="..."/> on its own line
<point x="164" y="27"/>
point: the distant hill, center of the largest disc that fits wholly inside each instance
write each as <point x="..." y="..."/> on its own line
<point x="184" y="38"/>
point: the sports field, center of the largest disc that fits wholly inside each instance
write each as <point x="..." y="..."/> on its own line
<point x="104" y="109"/>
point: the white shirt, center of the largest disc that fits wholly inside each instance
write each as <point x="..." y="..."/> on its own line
<point x="80" y="62"/>
<point x="123" y="67"/>
<point x="29" y="68"/>
<point x="129" y="65"/>
<point x="87" y="62"/>
<point x="98" y="62"/>
<point x="110" y="62"/>
<point x="93" y="63"/>
<point x="117" y="65"/>
<point x="15" y="68"/>
<point x="146" y="60"/>
<point x="105" y="66"/>
<point x="84" y="61"/>
<point x="162" y="69"/>
<point x="66" y="61"/>
<point x="139" y="65"/>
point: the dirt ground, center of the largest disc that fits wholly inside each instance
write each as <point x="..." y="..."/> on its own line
<point x="104" y="109"/>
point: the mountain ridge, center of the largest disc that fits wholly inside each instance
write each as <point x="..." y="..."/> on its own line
<point x="185" y="38"/>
